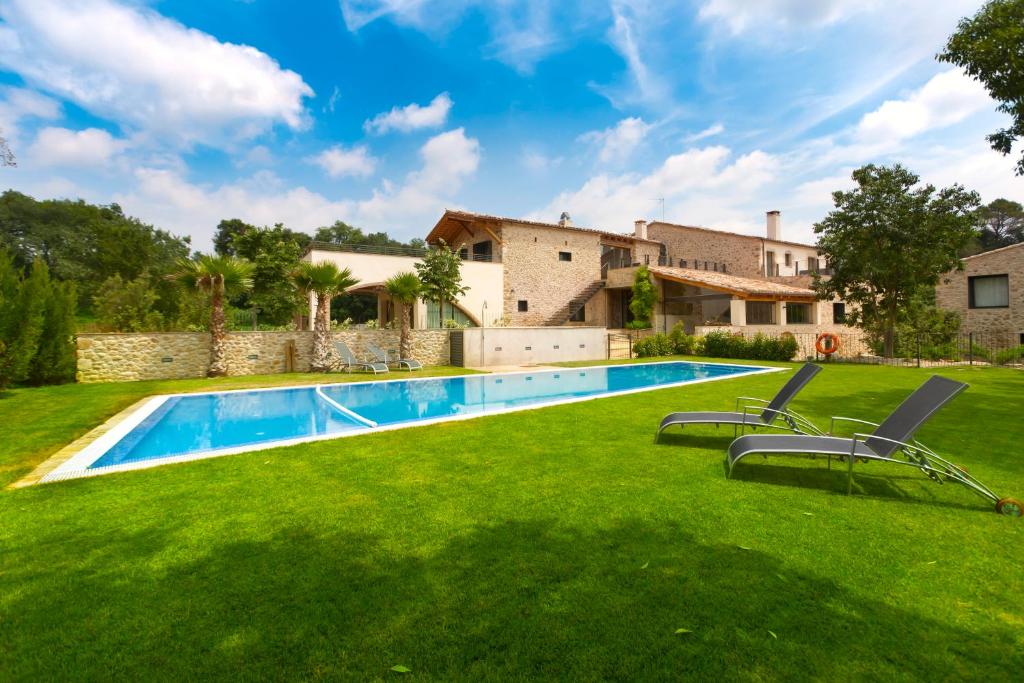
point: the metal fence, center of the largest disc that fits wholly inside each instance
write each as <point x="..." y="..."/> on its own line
<point x="919" y="349"/>
<point x="909" y="350"/>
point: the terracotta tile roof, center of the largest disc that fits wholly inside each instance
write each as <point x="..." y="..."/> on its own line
<point x="733" y="284"/>
<point x="470" y="215"/>
<point x="735" y="234"/>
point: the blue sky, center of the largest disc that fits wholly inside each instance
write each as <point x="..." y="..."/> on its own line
<point x="384" y="112"/>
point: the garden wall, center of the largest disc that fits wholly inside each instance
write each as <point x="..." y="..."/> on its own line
<point x="173" y="355"/>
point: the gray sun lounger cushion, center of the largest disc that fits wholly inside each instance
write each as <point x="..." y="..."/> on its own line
<point x="763" y="418"/>
<point x="900" y="426"/>
<point x="349" y="360"/>
<point x="381" y="356"/>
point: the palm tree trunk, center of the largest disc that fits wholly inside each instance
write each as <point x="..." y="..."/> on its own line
<point x="218" y="334"/>
<point x="321" y="361"/>
<point x="403" y="341"/>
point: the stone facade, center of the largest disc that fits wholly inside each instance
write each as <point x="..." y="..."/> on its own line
<point x="952" y="292"/>
<point x="129" y="357"/>
<point x="740" y="254"/>
<point x="535" y="274"/>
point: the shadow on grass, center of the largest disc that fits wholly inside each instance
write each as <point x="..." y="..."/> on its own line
<point x="520" y="599"/>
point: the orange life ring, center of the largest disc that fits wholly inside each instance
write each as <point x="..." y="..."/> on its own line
<point x="833" y="343"/>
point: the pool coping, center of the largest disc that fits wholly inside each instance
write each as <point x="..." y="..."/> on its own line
<point x="73" y="460"/>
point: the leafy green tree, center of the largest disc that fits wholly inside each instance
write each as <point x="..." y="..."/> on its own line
<point x="888" y="239"/>
<point x="440" y="272"/>
<point x="322" y="280"/>
<point x="56" y="354"/>
<point x="87" y="244"/>
<point x="1002" y="224"/>
<point x="405" y="289"/>
<point x="218" y="277"/>
<point x="22" y="316"/>
<point x="988" y="47"/>
<point x="227" y="230"/>
<point x="274" y="253"/>
<point x="644" y="298"/>
<point x="127" y="306"/>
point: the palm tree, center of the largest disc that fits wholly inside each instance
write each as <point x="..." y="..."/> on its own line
<point x="323" y="280"/>
<point x="405" y="289"/>
<point x="219" y="277"/>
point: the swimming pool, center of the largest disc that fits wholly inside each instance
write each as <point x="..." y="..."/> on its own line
<point x="183" y="427"/>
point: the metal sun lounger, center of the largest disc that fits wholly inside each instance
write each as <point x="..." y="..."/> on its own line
<point x="756" y="416"/>
<point x="891" y="441"/>
<point x="380" y="355"/>
<point x="348" y="360"/>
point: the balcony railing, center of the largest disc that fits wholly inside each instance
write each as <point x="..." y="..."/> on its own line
<point x="391" y="250"/>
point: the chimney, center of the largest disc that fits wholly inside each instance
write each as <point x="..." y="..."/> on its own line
<point x="640" y="229"/>
<point x="774" y="225"/>
<point x="564" y="220"/>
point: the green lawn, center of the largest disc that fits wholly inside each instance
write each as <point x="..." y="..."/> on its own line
<point x="553" y="543"/>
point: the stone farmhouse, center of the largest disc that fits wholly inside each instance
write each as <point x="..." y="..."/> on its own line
<point x="530" y="273"/>
<point x="988" y="293"/>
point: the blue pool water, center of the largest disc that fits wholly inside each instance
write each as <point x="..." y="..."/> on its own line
<point x="195" y="424"/>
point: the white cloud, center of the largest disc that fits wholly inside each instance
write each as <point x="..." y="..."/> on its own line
<point x="628" y="34"/>
<point x="19" y="104"/>
<point x="411" y="117"/>
<point x="538" y="162"/>
<point x="519" y="33"/>
<point x="709" y="132"/>
<point x="740" y="16"/>
<point x="147" y="71"/>
<point x="698" y="185"/>
<point x="166" y="198"/>
<point x="339" y="161"/>
<point x="617" y="143"/>
<point x="948" y="98"/>
<point x="64" y="147"/>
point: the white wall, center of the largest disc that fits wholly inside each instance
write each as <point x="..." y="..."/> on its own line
<point x="526" y="345"/>
<point x="485" y="280"/>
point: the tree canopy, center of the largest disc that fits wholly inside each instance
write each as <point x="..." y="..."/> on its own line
<point x="889" y="238"/>
<point x="87" y="244"/>
<point x="988" y="47"/>
<point x="1002" y="224"/>
<point x="440" y="271"/>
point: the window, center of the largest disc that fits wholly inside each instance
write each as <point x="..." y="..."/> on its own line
<point x="839" y="313"/>
<point x="798" y="314"/>
<point x="988" y="291"/>
<point x="760" y="313"/>
<point x="579" y="316"/>
<point x="565" y="256"/>
<point x="789" y="259"/>
<point x="523" y="306"/>
<point x="483" y="251"/>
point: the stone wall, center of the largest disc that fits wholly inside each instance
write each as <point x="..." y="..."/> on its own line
<point x="129" y="357"/>
<point x="537" y="276"/>
<point x="740" y="253"/>
<point x="951" y="293"/>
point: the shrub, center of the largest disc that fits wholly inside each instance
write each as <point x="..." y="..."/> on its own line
<point x="655" y="345"/>
<point x="36" y="326"/>
<point x="644" y="298"/>
<point x="682" y="344"/>
<point x="127" y="306"/>
<point x="1012" y="355"/>
<point x="722" y="344"/>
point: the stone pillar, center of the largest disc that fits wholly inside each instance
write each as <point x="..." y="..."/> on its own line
<point x="780" y="312"/>
<point x="738" y="312"/>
